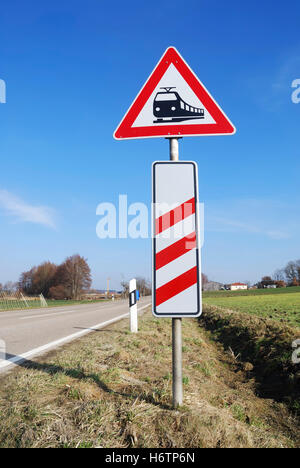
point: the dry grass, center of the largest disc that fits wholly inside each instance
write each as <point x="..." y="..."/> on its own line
<point x="267" y="344"/>
<point x="113" y="389"/>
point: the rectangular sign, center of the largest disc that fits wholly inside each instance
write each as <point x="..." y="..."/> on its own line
<point x="176" y="282"/>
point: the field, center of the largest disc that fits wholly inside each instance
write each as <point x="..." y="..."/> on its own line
<point x="114" y="389"/>
<point x="253" y="292"/>
<point x="278" y="304"/>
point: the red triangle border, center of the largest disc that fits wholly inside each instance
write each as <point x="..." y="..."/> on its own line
<point x="223" y="126"/>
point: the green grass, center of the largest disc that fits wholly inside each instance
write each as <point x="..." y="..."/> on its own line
<point x="252" y="292"/>
<point x="17" y="305"/>
<point x="278" y="304"/>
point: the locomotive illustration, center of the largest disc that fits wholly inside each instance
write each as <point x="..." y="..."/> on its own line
<point x="168" y="106"/>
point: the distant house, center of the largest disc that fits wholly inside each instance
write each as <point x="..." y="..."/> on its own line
<point x="238" y="286"/>
<point x="271" y="286"/>
<point x="212" y="286"/>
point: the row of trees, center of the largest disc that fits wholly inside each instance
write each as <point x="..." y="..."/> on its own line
<point x="204" y="279"/>
<point x="9" y="287"/>
<point x="269" y="281"/>
<point x="290" y="274"/>
<point x="287" y="276"/>
<point x="66" y="281"/>
<point x="143" y="285"/>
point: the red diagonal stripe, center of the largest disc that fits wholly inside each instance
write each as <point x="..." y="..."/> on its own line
<point x="176" y="286"/>
<point x="175" y="250"/>
<point x="175" y="216"/>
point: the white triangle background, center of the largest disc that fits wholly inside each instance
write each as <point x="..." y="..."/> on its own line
<point x="172" y="78"/>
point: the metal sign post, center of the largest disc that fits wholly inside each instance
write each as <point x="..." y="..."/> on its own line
<point x="176" y="322"/>
<point x="176" y="250"/>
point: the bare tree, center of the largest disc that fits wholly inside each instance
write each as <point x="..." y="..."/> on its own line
<point x="248" y="283"/>
<point x="25" y="283"/>
<point x="67" y="280"/>
<point x="58" y="292"/>
<point x="204" y="279"/>
<point x="74" y="275"/>
<point x="10" y="287"/>
<point x="125" y="286"/>
<point x="38" y="280"/>
<point x="44" y="278"/>
<point x="142" y="284"/>
<point x="291" y="272"/>
<point x="298" y="270"/>
<point x="279" y="275"/>
<point x="294" y="282"/>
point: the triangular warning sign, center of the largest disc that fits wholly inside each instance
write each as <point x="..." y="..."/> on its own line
<point x="172" y="103"/>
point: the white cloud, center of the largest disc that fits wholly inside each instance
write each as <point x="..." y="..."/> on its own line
<point x="228" y="225"/>
<point x="288" y="71"/>
<point x="272" y="90"/>
<point x="267" y="218"/>
<point x="25" y="212"/>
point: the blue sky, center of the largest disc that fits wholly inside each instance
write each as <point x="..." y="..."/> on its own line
<point x="72" y="68"/>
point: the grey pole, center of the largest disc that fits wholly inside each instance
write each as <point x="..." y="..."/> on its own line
<point x="176" y="322"/>
<point x="174" y="151"/>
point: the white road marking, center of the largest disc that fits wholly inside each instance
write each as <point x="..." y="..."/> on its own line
<point x="64" y="312"/>
<point x="66" y="339"/>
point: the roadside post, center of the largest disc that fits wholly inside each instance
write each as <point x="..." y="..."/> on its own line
<point x="173" y="103"/>
<point x="133" y="306"/>
<point x="176" y="322"/>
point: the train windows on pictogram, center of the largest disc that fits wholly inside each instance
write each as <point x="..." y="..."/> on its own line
<point x="168" y="106"/>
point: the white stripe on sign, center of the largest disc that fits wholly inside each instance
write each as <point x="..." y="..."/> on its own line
<point x="175" y="233"/>
<point x="182" y="301"/>
<point x="176" y="259"/>
<point x="174" y="269"/>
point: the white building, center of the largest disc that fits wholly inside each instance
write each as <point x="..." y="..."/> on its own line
<point x="238" y="286"/>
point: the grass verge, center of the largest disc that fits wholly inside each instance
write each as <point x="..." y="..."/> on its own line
<point x="113" y="389"/>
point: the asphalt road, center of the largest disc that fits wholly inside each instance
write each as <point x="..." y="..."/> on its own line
<point x="31" y="332"/>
